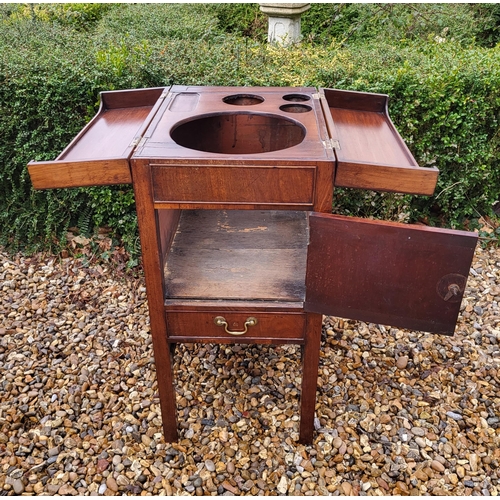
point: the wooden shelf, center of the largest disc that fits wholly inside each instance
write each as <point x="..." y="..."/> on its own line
<point x="242" y="255"/>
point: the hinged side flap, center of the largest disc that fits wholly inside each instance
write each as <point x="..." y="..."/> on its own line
<point x="372" y="154"/>
<point x="381" y="272"/>
<point x="99" y="155"/>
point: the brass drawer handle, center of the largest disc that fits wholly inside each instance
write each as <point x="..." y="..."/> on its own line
<point x="221" y="321"/>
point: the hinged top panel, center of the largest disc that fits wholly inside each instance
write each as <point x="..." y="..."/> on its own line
<point x="99" y="154"/>
<point x="370" y="152"/>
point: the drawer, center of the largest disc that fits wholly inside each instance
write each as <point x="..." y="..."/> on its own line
<point x="234" y="184"/>
<point x="260" y="327"/>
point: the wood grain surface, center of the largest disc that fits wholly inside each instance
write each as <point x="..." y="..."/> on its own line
<point x="243" y="255"/>
<point x="388" y="273"/>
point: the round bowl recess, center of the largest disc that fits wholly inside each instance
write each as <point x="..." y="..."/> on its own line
<point x="243" y="99"/>
<point x="238" y="133"/>
<point x="295" y="108"/>
<point x="296" y="97"/>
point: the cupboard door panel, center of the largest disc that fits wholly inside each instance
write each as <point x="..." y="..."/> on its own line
<point x="383" y="272"/>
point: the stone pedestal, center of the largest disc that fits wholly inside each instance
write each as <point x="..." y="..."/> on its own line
<point x="284" y="21"/>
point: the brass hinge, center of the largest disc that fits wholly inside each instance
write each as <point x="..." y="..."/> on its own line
<point x="316" y="96"/>
<point x="138" y="141"/>
<point x="331" y="144"/>
<point x="165" y="93"/>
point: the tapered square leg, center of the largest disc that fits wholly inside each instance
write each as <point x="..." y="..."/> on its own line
<point x="310" y="363"/>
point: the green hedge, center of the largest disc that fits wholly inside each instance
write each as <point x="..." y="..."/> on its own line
<point x="444" y="100"/>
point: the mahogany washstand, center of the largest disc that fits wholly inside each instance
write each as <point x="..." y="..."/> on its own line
<point x="233" y="190"/>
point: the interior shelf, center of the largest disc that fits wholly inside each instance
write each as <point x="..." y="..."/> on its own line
<point x="238" y="255"/>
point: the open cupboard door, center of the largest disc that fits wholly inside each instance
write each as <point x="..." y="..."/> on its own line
<point x="380" y="272"/>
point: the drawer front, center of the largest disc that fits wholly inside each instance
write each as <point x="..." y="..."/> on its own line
<point x="279" y="185"/>
<point x="238" y="327"/>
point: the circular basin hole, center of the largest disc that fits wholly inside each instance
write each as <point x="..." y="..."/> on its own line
<point x="296" y="97"/>
<point x="243" y="99"/>
<point x="295" y="108"/>
<point x="238" y="133"/>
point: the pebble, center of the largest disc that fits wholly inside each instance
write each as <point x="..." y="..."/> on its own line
<point x="18" y="486"/>
<point x="111" y="483"/>
<point x="454" y="416"/>
<point x="76" y="352"/>
<point x="282" y="486"/>
<point x="210" y="466"/>
<point x="67" y="490"/>
<point x="402" y="362"/>
<point x="421" y="442"/>
<point x="437" y="466"/>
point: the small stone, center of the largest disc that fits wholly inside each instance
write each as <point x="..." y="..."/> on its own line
<point x="18" y="486"/>
<point x="337" y="442"/>
<point x="366" y="486"/>
<point x="53" y="489"/>
<point x="102" y="465"/>
<point x="469" y="484"/>
<point x="402" y="487"/>
<point x="402" y="362"/>
<point x="473" y="461"/>
<point x="111" y="484"/>
<point x="67" y="489"/>
<point x="420" y="474"/>
<point x="307" y="465"/>
<point x="248" y="485"/>
<point x="122" y="480"/>
<point x="53" y="451"/>
<point x="454" y="416"/>
<point x="460" y="471"/>
<point x="421" y="442"/>
<point x="229" y="487"/>
<point x="38" y="488"/>
<point x="437" y="466"/>
<point x="230" y="467"/>
<point x="418" y="431"/>
<point x="282" y="486"/>
<point x="478" y="310"/>
<point x="346" y="488"/>
<point x="209" y="465"/>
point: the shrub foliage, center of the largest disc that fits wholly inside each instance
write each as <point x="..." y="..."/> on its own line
<point x="56" y="58"/>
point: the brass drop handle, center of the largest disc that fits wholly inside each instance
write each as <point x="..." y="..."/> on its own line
<point x="221" y="321"/>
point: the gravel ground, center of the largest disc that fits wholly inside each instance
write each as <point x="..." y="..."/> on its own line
<point x="398" y="412"/>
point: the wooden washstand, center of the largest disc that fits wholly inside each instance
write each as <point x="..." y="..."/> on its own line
<point x="233" y="191"/>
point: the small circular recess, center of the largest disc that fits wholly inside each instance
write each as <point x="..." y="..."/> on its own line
<point x="243" y="99"/>
<point x="296" y="97"/>
<point x="295" y="108"/>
